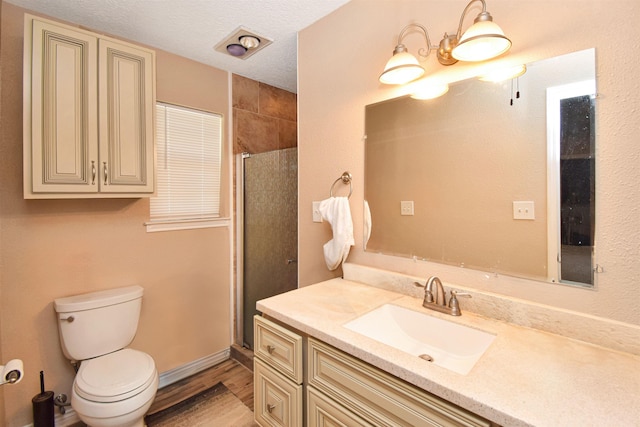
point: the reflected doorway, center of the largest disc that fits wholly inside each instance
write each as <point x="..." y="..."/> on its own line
<point x="572" y="198"/>
<point x="270" y="230"/>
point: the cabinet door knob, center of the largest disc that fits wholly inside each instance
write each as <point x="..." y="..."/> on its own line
<point x="270" y="349"/>
<point x="270" y="407"/>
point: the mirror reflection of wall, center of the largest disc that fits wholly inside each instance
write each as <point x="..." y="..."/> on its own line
<point x="463" y="159"/>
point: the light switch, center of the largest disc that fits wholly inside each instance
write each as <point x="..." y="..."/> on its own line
<point x="317" y="216"/>
<point x="523" y="210"/>
<point x="406" y="207"/>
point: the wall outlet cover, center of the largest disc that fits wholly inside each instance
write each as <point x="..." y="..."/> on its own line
<point x="406" y="207"/>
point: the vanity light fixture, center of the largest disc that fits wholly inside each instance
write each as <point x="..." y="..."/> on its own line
<point x="483" y="40"/>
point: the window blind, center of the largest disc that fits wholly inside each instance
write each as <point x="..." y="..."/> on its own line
<point x="188" y="164"/>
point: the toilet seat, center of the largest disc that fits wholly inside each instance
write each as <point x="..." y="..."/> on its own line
<point x="116" y="376"/>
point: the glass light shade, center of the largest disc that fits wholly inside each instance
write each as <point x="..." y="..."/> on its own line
<point x="429" y="90"/>
<point x="483" y="40"/>
<point x="236" y="49"/>
<point x="502" y="74"/>
<point x="402" y="68"/>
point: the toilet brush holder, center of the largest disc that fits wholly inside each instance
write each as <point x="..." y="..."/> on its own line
<point x="43" y="415"/>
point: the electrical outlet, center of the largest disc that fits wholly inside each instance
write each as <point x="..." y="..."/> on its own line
<point x="523" y="210"/>
<point x="406" y="207"/>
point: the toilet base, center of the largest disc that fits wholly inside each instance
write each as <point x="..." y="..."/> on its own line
<point x="129" y="413"/>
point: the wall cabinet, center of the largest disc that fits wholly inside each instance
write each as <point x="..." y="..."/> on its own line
<point x="88" y="114"/>
<point x="340" y="390"/>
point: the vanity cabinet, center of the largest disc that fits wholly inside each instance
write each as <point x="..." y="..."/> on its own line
<point x="339" y="389"/>
<point x="373" y="397"/>
<point x="278" y="375"/>
<point x="88" y="114"/>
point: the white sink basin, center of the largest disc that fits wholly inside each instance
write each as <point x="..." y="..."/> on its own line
<point x="447" y="344"/>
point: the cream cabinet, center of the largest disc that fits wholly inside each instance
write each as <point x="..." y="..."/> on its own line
<point x="371" y="396"/>
<point x="278" y="375"/>
<point x="88" y="114"/>
<point x="339" y="389"/>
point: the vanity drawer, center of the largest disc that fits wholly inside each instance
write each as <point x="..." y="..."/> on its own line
<point x="277" y="400"/>
<point x="378" y="397"/>
<point x="324" y="412"/>
<point x="279" y="347"/>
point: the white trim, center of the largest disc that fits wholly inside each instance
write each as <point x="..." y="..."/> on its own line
<point x="230" y="199"/>
<point x="191" y="368"/>
<point x="186" y="224"/>
<point x="69" y="418"/>
<point x="239" y="338"/>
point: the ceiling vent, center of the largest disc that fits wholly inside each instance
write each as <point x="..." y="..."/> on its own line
<point x="242" y="43"/>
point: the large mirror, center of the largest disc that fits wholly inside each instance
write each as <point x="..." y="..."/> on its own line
<point x="496" y="177"/>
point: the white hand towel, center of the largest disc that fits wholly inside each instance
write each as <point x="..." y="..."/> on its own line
<point x="337" y="212"/>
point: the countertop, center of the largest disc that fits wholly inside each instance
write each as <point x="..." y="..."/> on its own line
<point x="526" y="377"/>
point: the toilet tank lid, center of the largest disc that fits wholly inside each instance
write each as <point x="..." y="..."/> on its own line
<point x="93" y="300"/>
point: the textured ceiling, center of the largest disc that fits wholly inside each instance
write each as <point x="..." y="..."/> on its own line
<point x="192" y="28"/>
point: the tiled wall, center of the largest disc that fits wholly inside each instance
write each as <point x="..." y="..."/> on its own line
<point x="264" y="117"/>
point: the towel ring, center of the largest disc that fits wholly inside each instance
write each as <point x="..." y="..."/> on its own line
<point x="346" y="179"/>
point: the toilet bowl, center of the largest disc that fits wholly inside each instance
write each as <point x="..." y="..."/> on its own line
<point x="114" y="385"/>
<point x="115" y="390"/>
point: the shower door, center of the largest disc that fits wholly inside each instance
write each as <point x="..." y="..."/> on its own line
<point x="270" y="230"/>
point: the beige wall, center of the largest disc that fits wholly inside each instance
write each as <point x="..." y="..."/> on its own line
<point x="54" y="248"/>
<point x="338" y="67"/>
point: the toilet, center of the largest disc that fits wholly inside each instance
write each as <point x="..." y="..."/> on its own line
<point x="114" y="385"/>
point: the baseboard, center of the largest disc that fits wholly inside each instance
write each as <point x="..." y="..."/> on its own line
<point x="191" y="368"/>
<point x="242" y="355"/>
<point x="69" y="418"/>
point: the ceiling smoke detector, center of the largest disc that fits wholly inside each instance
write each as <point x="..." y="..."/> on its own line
<point x="242" y="43"/>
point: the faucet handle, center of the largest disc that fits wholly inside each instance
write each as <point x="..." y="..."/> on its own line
<point x="453" y="301"/>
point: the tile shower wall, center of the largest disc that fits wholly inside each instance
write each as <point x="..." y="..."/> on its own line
<point x="264" y="117"/>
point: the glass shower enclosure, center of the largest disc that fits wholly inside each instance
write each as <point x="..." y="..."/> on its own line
<point x="270" y="230"/>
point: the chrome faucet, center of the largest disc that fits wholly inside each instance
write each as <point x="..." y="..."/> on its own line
<point x="432" y="300"/>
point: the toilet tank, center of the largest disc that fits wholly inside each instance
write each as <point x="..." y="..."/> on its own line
<point x="98" y="323"/>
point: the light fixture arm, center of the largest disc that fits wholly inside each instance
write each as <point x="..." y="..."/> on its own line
<point x="482" y="16"/>
<point x="400" y="47"/>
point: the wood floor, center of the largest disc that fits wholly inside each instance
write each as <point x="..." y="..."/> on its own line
<point x="236" y="377"/>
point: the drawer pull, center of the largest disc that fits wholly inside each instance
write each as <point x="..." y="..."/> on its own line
<point x="270" y="349"/>
<point x="270" y="407"/>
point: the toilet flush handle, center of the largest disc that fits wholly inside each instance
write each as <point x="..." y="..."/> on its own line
<point x="68" y="319"/>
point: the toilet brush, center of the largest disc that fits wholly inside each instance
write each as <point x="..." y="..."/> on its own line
<point x="43" y="406"/>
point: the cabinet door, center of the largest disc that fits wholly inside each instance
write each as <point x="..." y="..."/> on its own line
<point x="60" y="110"/>
<point x="324" y="412"/>
<point x="126" y="95"/>
<point x="277" y="400"/>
